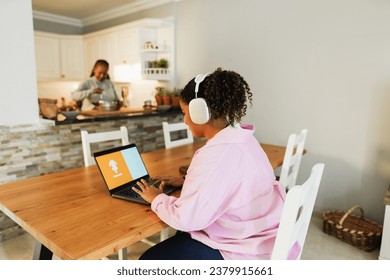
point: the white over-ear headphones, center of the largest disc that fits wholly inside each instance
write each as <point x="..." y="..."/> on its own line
<point x="199" y="111"/>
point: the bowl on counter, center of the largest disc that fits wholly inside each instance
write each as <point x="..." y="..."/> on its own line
<point x="108" y="105"/>
<point x="70" y="114"/>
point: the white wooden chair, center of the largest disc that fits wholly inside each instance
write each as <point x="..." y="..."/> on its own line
<point x="292" y="159"/>
<point x="173" y="127"/>
<point x="88" y="138"/>
<point x="296" y="215"/>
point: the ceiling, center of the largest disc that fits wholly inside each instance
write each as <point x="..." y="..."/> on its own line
<point x="87" y="10"/>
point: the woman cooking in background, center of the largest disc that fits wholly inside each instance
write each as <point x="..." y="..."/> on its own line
<point x="98" y="87"/>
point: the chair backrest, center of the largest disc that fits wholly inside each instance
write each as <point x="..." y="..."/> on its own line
<point x="88" y="138"/>
<point x="292" y="159"/>
<point x="296" y="215"/>
<point x="168" y="128"/>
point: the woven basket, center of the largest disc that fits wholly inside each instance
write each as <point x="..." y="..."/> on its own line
<point x="355" y="230"/>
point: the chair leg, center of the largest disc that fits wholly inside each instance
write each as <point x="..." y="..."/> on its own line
<point x="164" y="234"/>
<point x="122" y="254"/>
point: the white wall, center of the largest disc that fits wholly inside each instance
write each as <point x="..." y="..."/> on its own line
<point x="316" y="64"/>
<point x="18" y="93"/>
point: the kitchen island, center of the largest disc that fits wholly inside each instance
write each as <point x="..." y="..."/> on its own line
<point x="34" y="149"/>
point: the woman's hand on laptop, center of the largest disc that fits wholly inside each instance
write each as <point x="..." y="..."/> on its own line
<point x="170" y="180"/>
<point x="148" y="192"/>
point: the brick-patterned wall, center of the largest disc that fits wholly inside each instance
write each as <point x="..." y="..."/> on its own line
<point x="31" y="150"/>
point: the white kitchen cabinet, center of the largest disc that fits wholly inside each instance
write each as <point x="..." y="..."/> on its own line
<point x="97" y="47"/>
<point x="126" y="46"/>
<point x="105" y="47"/>
<point x="72" y="67"/>
<point x="47" y="55"/>
<point x="59" y="57"/>
<point x="90" y="55"/>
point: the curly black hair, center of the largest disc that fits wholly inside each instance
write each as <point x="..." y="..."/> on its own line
<point x="226" y="93"/>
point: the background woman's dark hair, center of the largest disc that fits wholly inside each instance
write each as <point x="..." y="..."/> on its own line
<point x="226" y="93"/>
<point x="103" y="63"/>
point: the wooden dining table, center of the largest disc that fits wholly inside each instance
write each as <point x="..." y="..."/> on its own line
<point x="73" y="216"/>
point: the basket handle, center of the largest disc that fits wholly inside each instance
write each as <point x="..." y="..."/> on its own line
<point x="349" y="212"/>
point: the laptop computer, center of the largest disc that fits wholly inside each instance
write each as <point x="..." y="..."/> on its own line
<point x="121" y="168"/>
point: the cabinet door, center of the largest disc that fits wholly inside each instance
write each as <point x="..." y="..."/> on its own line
<point x="47" y="55"/>
<point x="105" y="48"/>
<point x="90" y="55"/>
<point x="126" y="46"/>
<point x="72" y="59"/>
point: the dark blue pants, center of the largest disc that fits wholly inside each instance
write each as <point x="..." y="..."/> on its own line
<point x="181" y="247"/>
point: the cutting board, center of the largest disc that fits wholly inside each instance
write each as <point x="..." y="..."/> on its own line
<point x="121" y="111"/>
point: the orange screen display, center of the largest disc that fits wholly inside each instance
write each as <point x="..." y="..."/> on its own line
<point x="114" y="169"/>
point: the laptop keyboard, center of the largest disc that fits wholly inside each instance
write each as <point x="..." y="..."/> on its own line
<point x="128" y="192"/>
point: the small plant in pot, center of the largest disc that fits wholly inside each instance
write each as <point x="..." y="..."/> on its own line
<point x="163" y="63"/>
<point x="175" y="98"/>
<point x="160" y="92"/>
<point x="167" y="98"/>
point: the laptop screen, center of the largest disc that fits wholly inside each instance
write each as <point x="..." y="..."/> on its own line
<point x="120" y="166"/>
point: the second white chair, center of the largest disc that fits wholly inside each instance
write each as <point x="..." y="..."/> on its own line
<point x="173" y="127"/>
<point x="296" y="215"/>
<point x="292" y="159"/>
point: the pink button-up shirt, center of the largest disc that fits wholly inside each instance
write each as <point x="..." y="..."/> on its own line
<point x="230" y="200"/>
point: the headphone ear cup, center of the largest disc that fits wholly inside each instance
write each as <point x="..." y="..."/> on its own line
<point x="199" y="111"/>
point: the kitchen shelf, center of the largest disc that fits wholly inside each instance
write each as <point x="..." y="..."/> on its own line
<point x="164" y="50"/>
<point x="160" y="74"/>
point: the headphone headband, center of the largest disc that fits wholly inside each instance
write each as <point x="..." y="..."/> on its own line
<point x="198" y="79"/>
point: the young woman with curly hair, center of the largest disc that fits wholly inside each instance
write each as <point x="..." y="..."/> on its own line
<point x="230" y="204"/>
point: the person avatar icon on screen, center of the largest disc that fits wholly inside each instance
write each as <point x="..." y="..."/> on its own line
<point x="114" y="166"/>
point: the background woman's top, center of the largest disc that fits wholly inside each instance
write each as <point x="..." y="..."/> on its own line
<point x="230" y="200"/>
<point x="84" y="93"/>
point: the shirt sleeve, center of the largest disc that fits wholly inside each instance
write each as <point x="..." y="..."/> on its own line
<point x="83" y="91"/>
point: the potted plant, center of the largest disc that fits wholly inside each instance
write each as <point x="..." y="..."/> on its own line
<point x="163" y="63"/>
<point x="160" y="92"/>
<point x="175" y="98"/>
<point x="166" y="98"/>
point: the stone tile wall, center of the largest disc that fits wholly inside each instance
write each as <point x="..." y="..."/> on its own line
<point x="32" y="150"/>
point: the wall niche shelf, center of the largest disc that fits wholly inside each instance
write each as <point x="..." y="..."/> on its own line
<point x="160" y="74"/>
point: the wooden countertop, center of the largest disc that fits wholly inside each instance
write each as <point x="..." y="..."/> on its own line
<point x="123" y="113"/>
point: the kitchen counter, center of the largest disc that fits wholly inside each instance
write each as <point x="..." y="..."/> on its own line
<point x="123" y="113"/>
